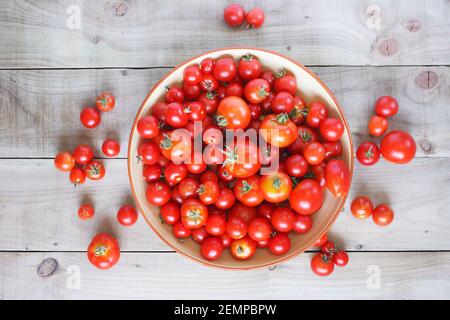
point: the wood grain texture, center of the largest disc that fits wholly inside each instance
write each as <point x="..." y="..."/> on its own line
<point x="40" y="109"/>
<point x="145" y="276"/>
<point x="139" y="33"/>
<point x="38" y="208"/>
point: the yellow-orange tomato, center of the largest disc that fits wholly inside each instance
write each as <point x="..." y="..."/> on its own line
<point x="278" y="130"/>
<point x="275" y="187"/>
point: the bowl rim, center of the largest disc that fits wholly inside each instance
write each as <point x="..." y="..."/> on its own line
<point x="225" y="49"/>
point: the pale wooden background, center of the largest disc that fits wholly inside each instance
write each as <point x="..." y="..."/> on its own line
<point x="48" y="72"/>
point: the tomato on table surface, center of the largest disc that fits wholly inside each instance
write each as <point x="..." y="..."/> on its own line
<point x="278" y="130"/>
<point x="377" y="125"/>
<point x="83" y="154"/>
<point x="77" y="176"/>
<point x="243" y="249"/>
<point x="276" y="187"/>
<point x="64" y="161"/>
<point x="110" y="148"/>
<point x="86" y="211"/>
<point x="127" y="215"/>
<point x="398" y="147"/>
<point x="255" y="17"/>
<point x="95" y="170"/>
<point x="307" y="197"/>
<point x="194" y="213"/>
<point x="105" y="102"/>
<point x="233" y="113"/>
<point x="104" y="251"/>
<point x="386" y="106"/>
<point x="322" y="264"/>
<point x="368" y="153"/>
<point x="382" y="215"/>
<point x="361" y="207"/>
<point x="337" y="177"/>
<point x="90" y="117"/>
<point x="340" y="258"/>
<point x="234" y="15"/>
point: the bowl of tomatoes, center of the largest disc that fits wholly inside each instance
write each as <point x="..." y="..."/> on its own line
<point x="240" y="158"/>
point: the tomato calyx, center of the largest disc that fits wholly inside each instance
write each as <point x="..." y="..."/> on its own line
<point x="166" y="142"/>
<point x="295" y="181"/>
<point x="262" y="92"/>
<point x="231" y="156"/>
<point x="246" y="187"/>
<point x="276" y="183"/>
<point x="305" y="136"/>
<point x="194" y="214"/>
<point x="326" y="258"/>
<point x="247" y="57"/>
<point x="297" y="112"/>
<point x="100" y="250"/>
<point x="94" y="170"/>
<point x="369" y="153"/>
<point x="103" y="101"/>
<point x="309" y="175"/>
<point x="281" y="118"/>
<point x="281" y="73"/>
<point x="210" y="95"/>
<point x="201" y="189"/>
<point x="221" y="121"/>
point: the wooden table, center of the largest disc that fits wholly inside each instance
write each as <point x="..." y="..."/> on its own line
<point x="50" y="69"/>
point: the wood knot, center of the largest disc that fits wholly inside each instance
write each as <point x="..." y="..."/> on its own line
<point x="427" y="79"/>
<point x="95" y="40"/>
<point x="124" y="73"/>
<point x="118" y="8"/>
<point x="47" y="267"/>
<point x="426" y="146"/>
<point x="388" y="47"/>
<point x="359" y="246"/>
<point x="413" y="25"/>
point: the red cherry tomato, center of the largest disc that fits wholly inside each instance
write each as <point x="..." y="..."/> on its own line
<point x="211" y="248"/>
<point x="259" y="229"/>
<point x="174" y="94"/>
<point x="191" y="92"/>
<point x="332" y="149"/>
<point x="269" y="77"/>
<point x="317" y="112"/>
<point x="279" y="244"/>
<point x="77" y="176"/>
<point x="194" y="213"/>
<point x="225" y="69"/>
<point x="234" y="15"/>
<point x="285" y="82"/>
<point x="322" y="264"/>
<point x="361" y="207"/>
<point x="314" y="153"/>
<point x="174" y="173"/>
<point x="207" y="65"/>
<point x="321" y="240"/>
<point x="278" y="130"/>
<point x="188" y="188"/>
<point x="216" y="225"/>
<point x="90" y="117"/>
<point x="337" y="177"/>
<point x="234" y="89"/>
<point x="192" y="75"/>
<point x="282" y="102"/>
<point x="233" y="113"/>
<point x="340" y="258"/>
<point x="158" y="193"/>
<point x="199" y="235"/>
<point x="306" y="135"/>
<point x="377" y="125"/>
<point x="95" y="170"/>
<point x="127" y="215"/>
<point x="149" y="153"/>
<point x="382" y="215"/>
<point x="64" y="161"/>
<point x="242" y="160"/>
<point x="170" y="213"/>
<point x="208" y="192"/>
<point x="103" y="251"/>
<point x="302" y="223"/>
<point x="386" y="106"/>
<point x="236" y="228"/>
<point x="175" y="115"/>
<point x="257" y="90"/>
<point x="249" y="67"/>
<point x="209" y="83"/>
<point x="265" y="210"/>
<point x="180" y="231"/>
<point x="283" y="219"/>
<point x="398" y="147"/>
<point x="159" y="111"/>
<point x="243" y="249"/>
<point x="307" y="197"/>
<point x="275" y="187"/>
<point x="368" y="153"/>
<point x="247" y="191"/>
<point x="332" y="129"/>
<point x="105" y="102"/>
<point x="86" y="211"/>
<point x="148" y="127"/>
<point x="255" y="17"/>
<point x="110" y="148"/>
<point x="83" y="154"/>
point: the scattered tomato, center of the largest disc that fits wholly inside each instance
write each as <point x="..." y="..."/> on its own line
<point x="127" y="215"/>
<point x="361" y="207"/>
<point x="382" y="215"/>
<point x="105" y="102"/>
<point x="95" y="170"/>
<point x="64" y="161"/>
<point x="90" y="117"/>
<point x="398" y="147"/>
<point x="368" y="153"/>
<point x="86" y="211"/>
<point x="386" y="106"/>
<point x="104" y="251"/>
<point x="110" y="148"/>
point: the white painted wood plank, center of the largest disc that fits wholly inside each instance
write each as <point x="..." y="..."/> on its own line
<point x="38" y="208"/>
<point x="139" y="33"/>
<point x="170" y="276"/>
<point x="40" y="109"/>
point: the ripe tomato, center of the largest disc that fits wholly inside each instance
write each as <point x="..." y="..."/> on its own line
<point x="192" y="75"/>
<point x="226" y="240"/>
<point x="174" y="173"/>
<point x="321" y="240"/>
<point x="314" y="153"/>
<point x="105" y="102"/>
<point x="331" y="129"/>
<point x="382" y="215"/>
<point x="368" y="153"/>
<point x="269" y="77"/>
<point x="148" y="127"/>
<point x="110" y="148"/>
<point x="180" y="231"/>
<point x="196" y="167"/>
<point x="170" y="213"/>
<point x="283" y="219"/>
<point x="234" y="15"/>
<point x="77" y="176"/>
<point x="317" y="173"/>
<point x="266" y="104"/>
<point x="302" y="223"/>
<point x="90" y="117"/>
<point x="317" y="111"/>
<point x="86" y="211"/>
<point x="209" y="83"/>
<point x="95" y="170"/>
<point x="188" y="188"/>
<point x="279" y="244"/>
<point x="248" y="192"/>
<point x="236" y="228"/>
<point x="207" y="65"/>
<point x="276" y="187"/>
<point x="208" y="192"/>
<point x="149" y="153"/>
<point x="211" y="248"/>
<point x="257" y="90"/>
<point x="225" y="69"/>
<point x="233" y="113"/>
<point x="104" y="251"/>
<point x="242" y="161"/>
<point x="285" y="82"/>
<point x="337" y="177"/>
<point x="255" y="112"/>
<point x="328" y="247"/>
<point x="216" y="224"/>
<point x="151" y="173"/>
<point x="322" y="264"/>
<point x="209" y="175"/>
<point x="278" y="130"/>
<point x="210" y="101"/>
<point x="398" y="147"/>
<point x="174" y="94"/>
<point x="377" y="125"/>
<point x="307" y="197"/>
<point x="158" y="193"/>
<point x="265" y="210"/>
<point x="176" y="149"/>
<point x="64" y="161"/>
<point x="332" y="149"/>
<point x="194" y="213"/>
<point x="83" y="154"/>
<point x="159" y="111"/>
<point x="282" y="102"/>
<point x="191" y="92"/>
<point x="127" y="215"/>
<point x="386" y="106"/>
<point x="340" y="258"/>
<point x="224" y="175"/>
<point x="361" y="207"/>
<point x="199" y="234"/>
<point x="226" y="199"/>
<point x="196" y="111"/>
<point x="243" y="249"/>
<point x="255" y="17"/>
<point x="249" y="67"/>
<point x="175" y="115"/>
<point x="259" y="229"/>
<point x="306" y="135"/>
<point x="240" y="210"/>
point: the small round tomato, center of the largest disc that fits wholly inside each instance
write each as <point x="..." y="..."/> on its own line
<point x="377" y="125"/>
<point x="248" y="192"/>
<point x="209" y="175"/>
<point x="368" y="153"/>
<point x="233" y="113"/>
<point x="90" y="117"/>
<point x="317" y="111"/>
<point x="321" y="240"/>
<point x="265" y="210"/>
<point x="83" y="154"/>
<point x="127" y="215"/>
<point x="194" y="213"/>
<point x="196" y="167"/>
<point x="226" y="199"/>
<point x="234" y="89"/>
<point x="361" y="207"/>
<point x="322" y="264"/>
<point x="175" y="148"/>
<point x="257" y="90"/>
<point x="306" y="135"/>
<point x="196" y="111"/>
<point x="307" y="197"/>
<point x="210" y="101"/>
<point x="224" y="175"/>
<point x="158" y="110"/>
<point x="243" y="249"/>
<point x="226" y="240"/>
<point x="382" y="215"/>
<point x="192" y="75"/>
<point x="275" y="187"/>
<point x="151" y="173"/>
<point x="296" y="166"/>
<point x="242" y="161"/>
<point x="337" y="177"/>
<point x="340" y="258"/>
<point x="64" y="161"/>
<point x="191" y="92"/>
<point x="180" y="231"/>
<point x="199" y="235"/>
<point x="149" y="153"/>
<point x="255" y="111"/>
<point x="209" y="83"/>
<point x="386" y="106"/>
<point x="249" y="67"/>
<point x="240" y="210"/>
<point x="110" y="148"/>
<point x="269" y="77"/>
<point x="158" y="193"/>
<point x="225" y="69"/>
<point x="216" y="224"/>
<point x="174" y="94"/>
<point x="104" y="251"/>
<point x="255" y="17"/>
<point x="278" y="130"/>
<point x="175" y="115"/>
<point x="188" y="188"/>
<point x="170" y="213"/>
<point x="283" y="219"/>
<point x="86" y="211"/>
<point x="314" y="153"/>
<point x="77" y="176"/>
<point x="211" y="248"/>
<point x="279" y="244"/>
<point x="148" y="127"/>
<point x="176" y="195"/>
<point x="174" y="173"/>
<point x="259" y="229"/>
<point x="236" y="228"/>
<point x="95" y="170"/>
<point x="302" y="223"/>
<point x="207" y="65"/>
<point x="208" y="192"/>
<point x="234" y="15"/>
<point x="285" y="82"/>
<point x="282" y="102"/>
<point x="105" y="102"/>
<point x="332" y="149"/>
<point x="331" y="129"/>
<point x="328" y="247"/>
<point x="398" y="147"/>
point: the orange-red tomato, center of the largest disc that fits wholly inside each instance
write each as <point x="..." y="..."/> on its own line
<point x="307" y="197"/>
<point x="243" y="249"/>
<point x="64" y="161"/>
<point x="314" y="153"/>
<point x="257" y="90"/>
<point x="95" y="170"/>
<point x="377" y="125"/>
<point x="104" y="251"/>
<point x="275" y="187"/>
<point x="194" y="213"/>
<point x="386" y="106"/>
<point x="383" y="215"/>
<point x="361" y="207"/>
<point x="86" y="211"/>
<point x="242" y="161"/>
<point x="278" y="130"/>
<point x="398" y="147"/>
<point x="233" y="113"/>
<point x="105" y="102"/>
<point x="208" y="192"/>
<point x="337" y="177"/>
<point x="247" y="191"/>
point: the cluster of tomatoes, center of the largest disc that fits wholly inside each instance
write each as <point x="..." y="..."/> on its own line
<point x="323" y="262"/>
<point x="362" y="208"/>
<point x="234" y="15"/>
<point x="223" y="200"/>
